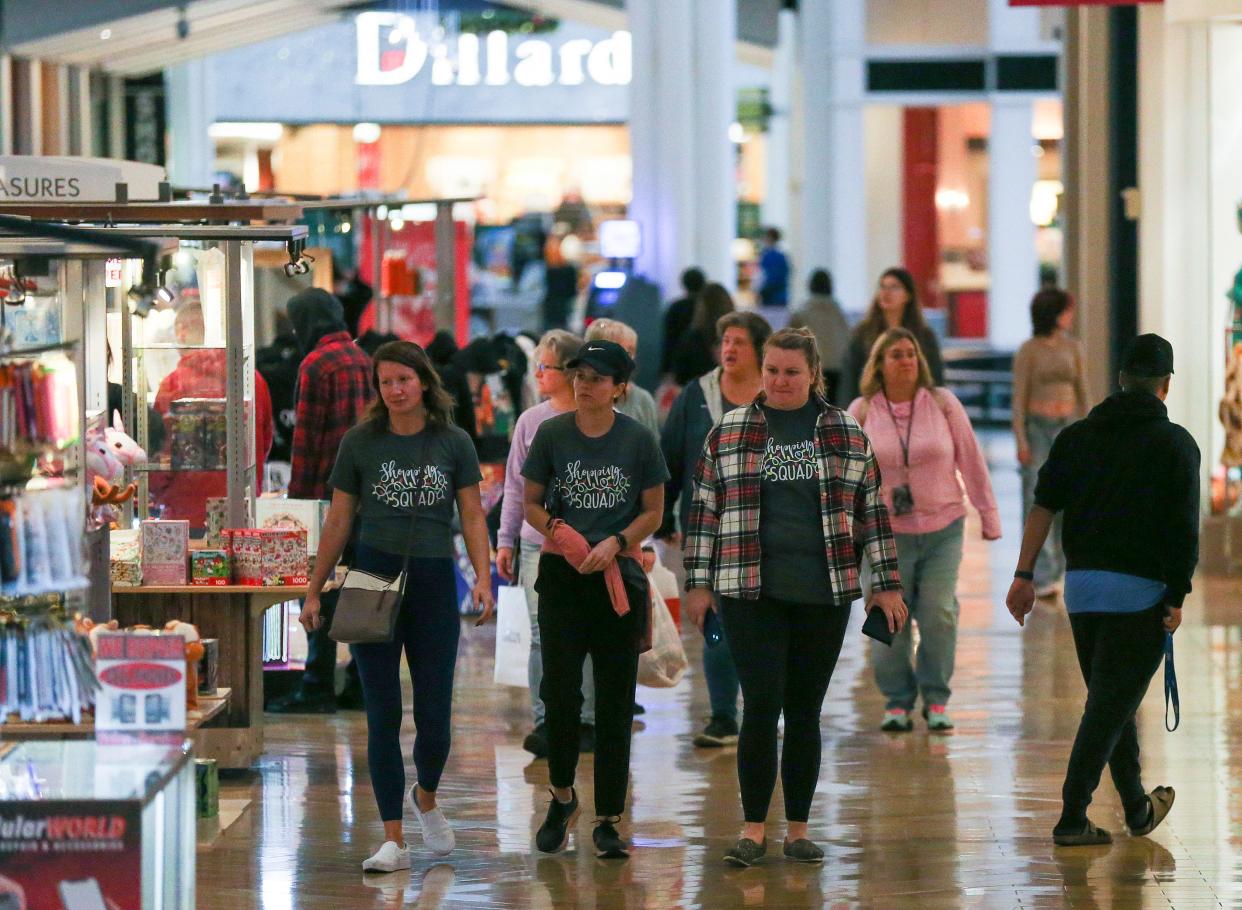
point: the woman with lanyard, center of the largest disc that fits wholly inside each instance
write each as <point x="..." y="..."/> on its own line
<point x="595" y="489"/>
<point x="402" y="469"/>
<point x="786" y="497"/>
<point x="922" y="439"/>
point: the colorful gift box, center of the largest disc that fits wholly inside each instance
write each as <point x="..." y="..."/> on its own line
<point x="124" y="559"/>
<point x="268" y="556"/>
<point x="299" y="514"/>
<point x="209" y="568"/>
<point x="165" y="552"/>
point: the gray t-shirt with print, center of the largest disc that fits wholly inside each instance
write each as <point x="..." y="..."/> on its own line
<point x="396" y="476"/>
<point x="595" y="484"/>
<point x="793" y="562"/>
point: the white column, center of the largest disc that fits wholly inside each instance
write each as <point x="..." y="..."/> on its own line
<point x="715" y="202"/>
<point x="116" y="116"/>
<point x="1012" y="260"/>
<point x="6" y="109"/>
<point x="1012" y="28"/>
<point x="778" y="164"/>
<point x="832" y="197"/>
<point x="191" y="155"/>
<point x="681" y="105"/>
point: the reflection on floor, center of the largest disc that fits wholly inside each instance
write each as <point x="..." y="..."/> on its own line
<point x="914" y="820"/>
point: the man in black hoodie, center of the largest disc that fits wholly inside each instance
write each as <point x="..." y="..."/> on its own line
<point x="1127" y="479"/>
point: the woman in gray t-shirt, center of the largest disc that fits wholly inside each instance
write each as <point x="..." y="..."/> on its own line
<point x="401" y="471"/>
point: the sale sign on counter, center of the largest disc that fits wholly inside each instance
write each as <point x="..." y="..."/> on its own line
<point x="142" y="682"/>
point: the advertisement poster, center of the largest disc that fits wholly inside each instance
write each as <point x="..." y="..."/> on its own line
<point x="55" y="856"/>
<point x="142" y="683"/>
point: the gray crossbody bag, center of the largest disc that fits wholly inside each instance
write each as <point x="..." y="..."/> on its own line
<point x="369" y="603"/>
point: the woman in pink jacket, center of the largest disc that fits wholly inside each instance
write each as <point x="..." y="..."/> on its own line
<point x="922" y="439"/>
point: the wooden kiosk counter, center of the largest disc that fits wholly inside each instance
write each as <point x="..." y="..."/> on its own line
<point x="233" y="614"/>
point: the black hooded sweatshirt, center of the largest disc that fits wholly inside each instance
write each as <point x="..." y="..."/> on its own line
<point x="315" y="313"/>
<point x="1127" y="479"/>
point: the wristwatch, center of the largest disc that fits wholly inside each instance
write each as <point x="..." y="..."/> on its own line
<point x="1025" y="576"/>
<point x="625" y="544"/>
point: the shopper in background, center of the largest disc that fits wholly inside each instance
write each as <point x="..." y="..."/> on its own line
<point x="895" y="305"/>
<point x="554" y="351"/>
<point x="595" y="487"/>
<point x="773" y="278"/>
<point x="922" y="440"/>
<point x="1049" y="393"/>
<point x="678" y="316"/>
<point x="1127" y="480"/>
<point x="201" y="373"/>
<point x="278" y="364"/>
<point x="637" y="401"/>
<point x="822" y="315"/>
<point x="695" y="352"/>
<point x="786" y="499"/>
<point x="407" y="461"/>
<point x="333" y="393"/>
<point x="698" y="408"/>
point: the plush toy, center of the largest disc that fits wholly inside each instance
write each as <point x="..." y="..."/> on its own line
<point x="107" y="455"/>
<point x="193" y="654"/>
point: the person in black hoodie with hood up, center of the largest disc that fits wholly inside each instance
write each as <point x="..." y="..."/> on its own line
<point x="1127" y="479"/>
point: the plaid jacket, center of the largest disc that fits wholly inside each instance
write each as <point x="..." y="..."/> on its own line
<point x="334" y="390"/>
<point x="722" y="544"/>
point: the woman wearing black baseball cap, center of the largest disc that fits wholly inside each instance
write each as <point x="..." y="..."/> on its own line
<point x="595" y="488"/>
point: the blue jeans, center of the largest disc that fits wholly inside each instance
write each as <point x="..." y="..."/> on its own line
<point x="1040" y="434"/>
<point x="528" y="571"/>
<point x="428" y="628"/>
<point x="929" y="565"/>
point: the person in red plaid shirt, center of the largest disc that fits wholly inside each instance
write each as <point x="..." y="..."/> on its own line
<point x="786" y="502"/>
<point x="334" y="390"/>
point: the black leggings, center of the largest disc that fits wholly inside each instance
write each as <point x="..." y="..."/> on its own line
<point x="785" y="654"/>
<point x="576" y="618"/>
<point x="1118" y="654"/>
<point x="427" y="630"/>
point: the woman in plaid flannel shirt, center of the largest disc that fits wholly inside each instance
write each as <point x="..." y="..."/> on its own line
<point x="786" y="502"/>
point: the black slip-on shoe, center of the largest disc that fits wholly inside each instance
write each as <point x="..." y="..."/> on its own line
<point x="608" y="843"/>
<point x="745" y="853"/>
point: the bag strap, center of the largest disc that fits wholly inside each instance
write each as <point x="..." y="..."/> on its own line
<point x="1170" y="686"/>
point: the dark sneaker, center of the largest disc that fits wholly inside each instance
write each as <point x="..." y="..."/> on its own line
<point x="803" y="851"/>
<point x="608" y="843"/>
<point x="745" y="853"/>
<point x="586" y="738"/>
<point x="351" y="699"/>
<point x="536" y="742"/>
<point x="300" y="702"/>
<point x="639" y="709"/>
<point x="553" y="834"/>
<point x="720" y="731"/>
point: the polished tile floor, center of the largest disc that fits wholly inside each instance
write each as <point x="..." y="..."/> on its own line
<point x="914" y="820"/>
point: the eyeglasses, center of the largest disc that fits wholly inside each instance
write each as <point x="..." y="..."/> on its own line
<point x="542" y="368"/>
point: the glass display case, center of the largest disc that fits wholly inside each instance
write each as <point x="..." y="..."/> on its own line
<point x="191" y="393"/>
<point x="90" y="825"/>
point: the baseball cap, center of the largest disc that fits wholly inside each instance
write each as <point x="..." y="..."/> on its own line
<point x="1148" y="355"/>
<point x="606" y="358"/>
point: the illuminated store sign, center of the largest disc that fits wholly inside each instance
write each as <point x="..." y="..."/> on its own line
<point x="394" y="48"/>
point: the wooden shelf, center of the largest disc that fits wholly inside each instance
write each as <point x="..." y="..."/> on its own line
<point x="209" y="707"/>
<point x="293" y="591"/>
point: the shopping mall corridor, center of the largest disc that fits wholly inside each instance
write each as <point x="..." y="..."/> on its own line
<point x="914" y="820"/>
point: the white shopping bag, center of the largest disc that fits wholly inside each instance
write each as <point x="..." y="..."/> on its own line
<point x="512" y="638"/>
<point x="664" y="665"/>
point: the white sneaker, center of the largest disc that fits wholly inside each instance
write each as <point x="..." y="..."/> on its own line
<point x="437" y="834"/>
<point x="388" y="858"/>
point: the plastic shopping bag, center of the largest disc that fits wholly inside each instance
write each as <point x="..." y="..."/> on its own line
<point x="512" y="638"/>
<point x="665" y="664"/>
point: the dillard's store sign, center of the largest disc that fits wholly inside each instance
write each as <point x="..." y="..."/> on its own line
<point x="394" y="48"/>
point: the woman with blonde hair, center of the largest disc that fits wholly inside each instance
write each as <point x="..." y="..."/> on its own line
<point x="786" y="495"/>
<point x="922" y="440"/>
